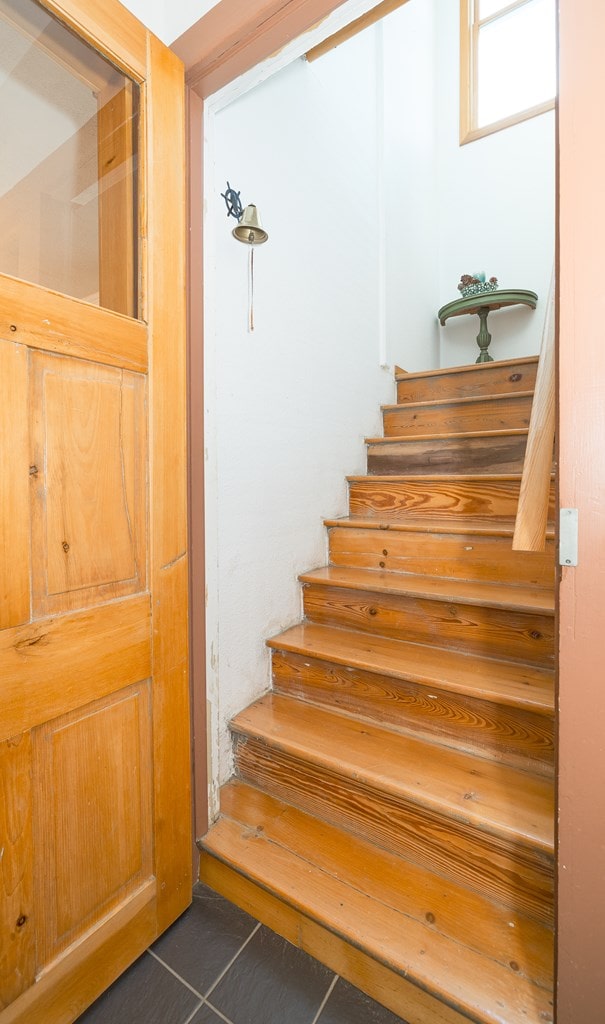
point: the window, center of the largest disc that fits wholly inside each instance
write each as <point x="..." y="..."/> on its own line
<point x="507" y="63"/>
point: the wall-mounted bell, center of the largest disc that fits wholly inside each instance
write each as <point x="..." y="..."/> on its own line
<point x="250" y="229"/>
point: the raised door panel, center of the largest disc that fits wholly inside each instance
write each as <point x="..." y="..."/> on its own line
<point x="14" y="487"/>
<point x="92" y="815"/>
<point x="89" y="455"/>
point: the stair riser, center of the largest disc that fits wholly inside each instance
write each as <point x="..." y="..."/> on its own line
<point x="489" y="632"/>
<point x="506" y="734"/>
<point x="506" y="413"/>
<point x="458" y="556"/>
<point x="408" y="498"/>
<point x="488" y="864"/>
<point x="483" y="379"/>
<point x="456" y="455"/>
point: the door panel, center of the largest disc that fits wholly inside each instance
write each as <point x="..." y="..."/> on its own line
<point x="88" y="465"/>
<point x="95" y="818"/>
<point x="97" y="840"/>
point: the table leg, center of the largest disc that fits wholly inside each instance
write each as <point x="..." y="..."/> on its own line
<point x="484" y="337"/>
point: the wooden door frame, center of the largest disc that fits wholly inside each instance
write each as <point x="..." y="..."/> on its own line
<point x="229" y="41"/>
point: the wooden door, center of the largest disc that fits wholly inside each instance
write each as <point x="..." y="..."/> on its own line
<point x="95" y="831"/>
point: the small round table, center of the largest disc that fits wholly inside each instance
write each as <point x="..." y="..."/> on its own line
<point x="482" y="305"/>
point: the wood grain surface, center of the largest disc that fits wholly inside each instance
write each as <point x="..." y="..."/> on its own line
<point x="463" y="555"/>
<point x="501" y="412"/>
<point x="471" y="381"/>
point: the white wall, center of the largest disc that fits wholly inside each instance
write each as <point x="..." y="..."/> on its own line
<point x="410" y="185"/>
<point x="496" y="213"/>
<point x="180" y="16"/>
<point x="289" y="405"/>
<point x="168" y="19"/>
<point x="153" y="14"/>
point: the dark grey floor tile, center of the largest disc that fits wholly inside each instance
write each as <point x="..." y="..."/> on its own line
<point x="206" y="1015"/>
<point x="347" y="1005"/>
<point x="203" y="941"/>
<point x="272" y="982"/>
<point x="146" y="994"/>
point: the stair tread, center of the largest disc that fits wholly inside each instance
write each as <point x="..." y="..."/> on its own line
<point x="481" y="479"/>
<point x="494" y="798"/>
<point x="465" y="400"/>
<point x="502" y="682"/>
<point x="495" y="527"/>
<point x="494" y="595"/>
<point x="444" y="938"/>
<point x="401" y="374"/>
<point x="447" y="435"/>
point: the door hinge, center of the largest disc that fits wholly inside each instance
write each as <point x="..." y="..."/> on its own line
<point x="568" y="536"/>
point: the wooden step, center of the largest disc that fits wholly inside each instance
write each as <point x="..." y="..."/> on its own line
<point x="489" y="451"/>
<point x="485" y="826"/>
<point x="396" y="497"/>
<point x="490" y="619"/>
<point x="503" y="377"/>
<point x="428" y="949"/>
<point x="497" y="710"/>
<point x="462" y="553"/>
<point x="457" y="415"/>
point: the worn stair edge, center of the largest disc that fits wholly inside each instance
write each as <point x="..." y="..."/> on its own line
<point x="470" y="400"/>
<point x="322" y="873"/>
<point x="401" y="374"/>
<point x="447" y="436"/>
<point x="498" y="527"/>
<point x="511" y="872"/>
<point x="502" y="682"/>
<point x="488" y="729"/>
<point x="492" y="595"/>
<point x="469" y="919"/>
<point x="480" y="478"/>
<point x="374" y="757"/>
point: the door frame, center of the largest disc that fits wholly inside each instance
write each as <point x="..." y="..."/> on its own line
<point x="228" y="42"/>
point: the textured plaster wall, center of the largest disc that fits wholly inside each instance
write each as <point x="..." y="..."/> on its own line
<point x="288" y="405"/>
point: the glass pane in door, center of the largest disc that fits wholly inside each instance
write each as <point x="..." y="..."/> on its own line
<point x="68" y="162"/>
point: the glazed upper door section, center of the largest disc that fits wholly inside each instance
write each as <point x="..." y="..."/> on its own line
<point x="68" y="164"/>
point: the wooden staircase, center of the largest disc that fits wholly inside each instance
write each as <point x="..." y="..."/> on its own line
<point x="392" y="811"/>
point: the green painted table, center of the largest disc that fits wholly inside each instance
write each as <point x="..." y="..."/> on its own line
<point x="482" y="305"/>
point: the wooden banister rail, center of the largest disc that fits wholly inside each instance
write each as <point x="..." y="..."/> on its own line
<point x="532" y="512"/>
<point x="352" y="29"/>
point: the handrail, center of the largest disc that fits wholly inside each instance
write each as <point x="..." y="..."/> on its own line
<point x="352" y="29"/>
<point x="532" y="512"/>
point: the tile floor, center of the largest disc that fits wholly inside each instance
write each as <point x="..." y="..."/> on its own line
<point x="217" y="965"/>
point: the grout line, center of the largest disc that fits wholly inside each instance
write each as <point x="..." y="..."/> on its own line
<point x="193" y="1012"/>
<point x="217" y="1012"/>
<point x="175" y="975"/>
<point x="324" y="1001"/>
<point x="231" y="962"/>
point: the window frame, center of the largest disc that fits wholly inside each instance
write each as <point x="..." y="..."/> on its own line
<point x="470" y="25"/>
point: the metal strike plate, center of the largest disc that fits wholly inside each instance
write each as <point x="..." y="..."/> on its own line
<point x="568" y="536"/>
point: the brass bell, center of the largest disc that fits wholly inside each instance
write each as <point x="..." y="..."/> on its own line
<point x="250" y="229"/>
